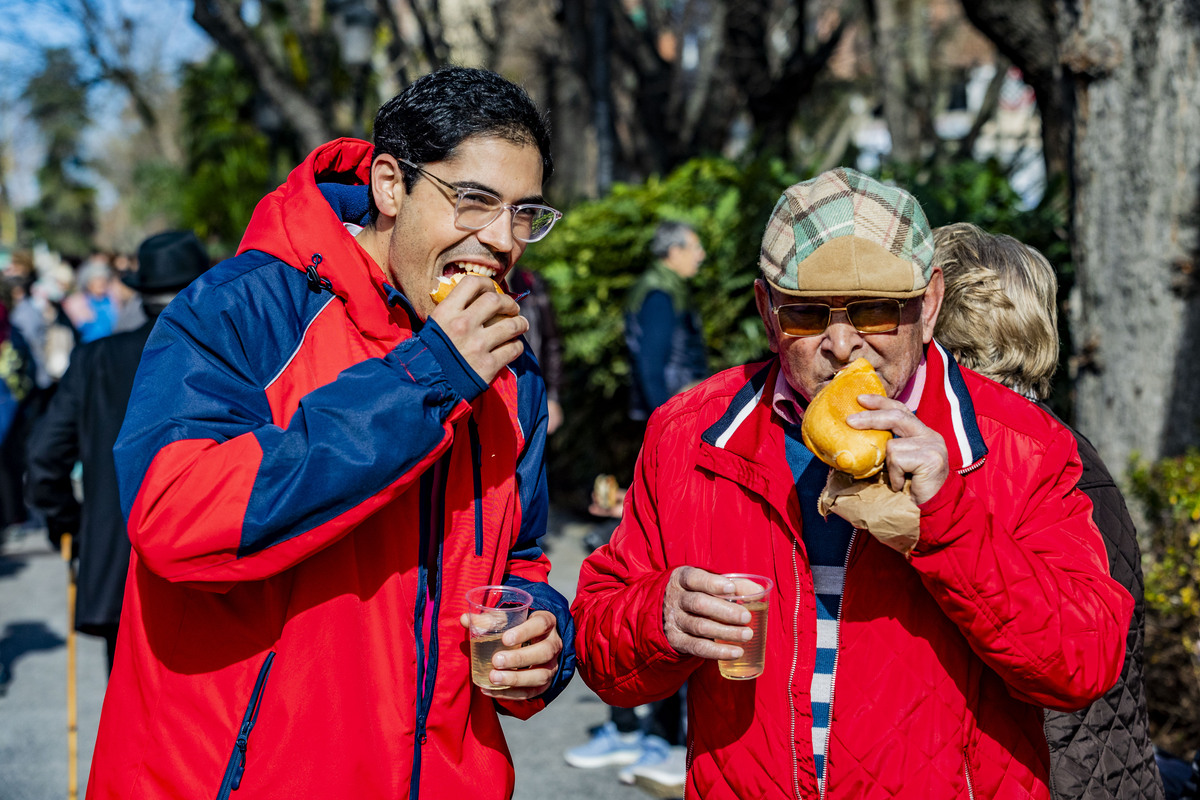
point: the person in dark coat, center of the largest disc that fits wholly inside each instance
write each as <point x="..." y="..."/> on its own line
<point x="999" y="319"/>
<point x="82" y="423"/>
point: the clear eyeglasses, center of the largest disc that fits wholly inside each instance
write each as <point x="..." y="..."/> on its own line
<point x="475" y="209"/>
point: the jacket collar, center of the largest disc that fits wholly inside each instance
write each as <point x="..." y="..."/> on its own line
<point x="947" y="408"/>
<point x="746" y="444"/>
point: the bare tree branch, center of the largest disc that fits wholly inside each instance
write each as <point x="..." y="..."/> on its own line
<point x="223" y="22"/>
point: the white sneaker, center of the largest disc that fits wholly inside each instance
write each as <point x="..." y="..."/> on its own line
<point x="663" y="778"/>
<point x="607" y="747"/>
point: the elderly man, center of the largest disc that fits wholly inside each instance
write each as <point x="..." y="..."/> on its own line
<point x="915" y="671"/>
<point x="319" y="462"/>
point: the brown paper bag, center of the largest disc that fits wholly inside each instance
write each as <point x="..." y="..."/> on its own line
<point x="891" y="517"/>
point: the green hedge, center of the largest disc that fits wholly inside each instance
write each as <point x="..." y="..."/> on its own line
<point x="594" y="256"/>
<point x="1169" y="492"/>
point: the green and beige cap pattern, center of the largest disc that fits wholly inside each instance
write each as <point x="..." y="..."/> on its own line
<point x="844" y="233"/>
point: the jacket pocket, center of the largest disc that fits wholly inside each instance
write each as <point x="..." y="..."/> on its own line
<point x="237" y="760"/>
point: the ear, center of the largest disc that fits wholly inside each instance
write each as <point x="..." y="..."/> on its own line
<point x="931" y="305"/>
<point x="768" y="317"/>
<point x="387" y="185"/>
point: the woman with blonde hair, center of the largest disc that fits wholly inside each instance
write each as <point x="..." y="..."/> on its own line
<point x="999" y="318"/>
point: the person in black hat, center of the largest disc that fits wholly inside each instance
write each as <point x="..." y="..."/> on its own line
<point x="82" y="423"/>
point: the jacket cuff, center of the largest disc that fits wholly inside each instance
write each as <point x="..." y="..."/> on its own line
<point x="938" y="515"/>
<point x="462" y="378"/>
<point x="546" y="598"/>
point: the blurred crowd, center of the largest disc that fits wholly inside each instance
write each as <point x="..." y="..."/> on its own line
<point x="48" y="305"/>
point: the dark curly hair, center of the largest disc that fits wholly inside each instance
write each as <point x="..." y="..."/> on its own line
<point x="439" y="111"/>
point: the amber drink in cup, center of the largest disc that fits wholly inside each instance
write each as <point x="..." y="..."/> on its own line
<point x="492" y="610"/>
<point x="752" y="593"/>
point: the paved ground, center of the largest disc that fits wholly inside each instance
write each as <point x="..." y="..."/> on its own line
<point x="33" y="719"/>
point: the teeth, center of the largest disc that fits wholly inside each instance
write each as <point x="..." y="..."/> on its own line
<point x="476" y="269"/>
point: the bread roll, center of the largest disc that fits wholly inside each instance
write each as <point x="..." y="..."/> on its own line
<point x="446" y="284"/>
<point x="825" y="432"/>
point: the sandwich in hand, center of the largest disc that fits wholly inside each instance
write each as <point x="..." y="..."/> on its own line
<point x="445" y="284"/>
<point x="858" y="453"/>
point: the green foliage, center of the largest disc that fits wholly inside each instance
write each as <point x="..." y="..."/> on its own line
<point x="157" y="203"/>
<point x="231" y="164"/>
<point x="1169" y="492"/>
<point x="981" y="192"/>
<point x="64" y="216"/>
<point x="595" y="255"/>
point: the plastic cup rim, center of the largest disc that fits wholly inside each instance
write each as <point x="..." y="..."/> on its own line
<point x="525" y="598"/>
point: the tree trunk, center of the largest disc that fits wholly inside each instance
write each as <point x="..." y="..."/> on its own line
<point x="1025" y="32"/>
<point x="892" y="36"/>
<point x="1136" y="317"/>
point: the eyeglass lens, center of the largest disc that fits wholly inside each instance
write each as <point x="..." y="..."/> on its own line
<point x="476" y="210"/>
<point x="867" y="316"/>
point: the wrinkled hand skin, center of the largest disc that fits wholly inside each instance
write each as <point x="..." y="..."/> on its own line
<point x="694" y="615"/>
<point x="483" y="325"/>
<point x="530" y="669"/>
<point x="917" y="451"/>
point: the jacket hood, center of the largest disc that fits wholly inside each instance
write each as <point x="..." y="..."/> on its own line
<point x="301" y="224"/>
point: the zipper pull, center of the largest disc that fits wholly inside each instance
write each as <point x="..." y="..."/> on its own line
<point x="241" y="767"/>
<point x="315" y="281"/>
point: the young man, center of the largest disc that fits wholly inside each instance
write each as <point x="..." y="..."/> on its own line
<point x="1000" y="319"/>
<point x="909" y="673"/>
<point x="318" y="463"/>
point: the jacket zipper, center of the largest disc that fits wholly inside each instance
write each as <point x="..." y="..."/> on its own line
<point x="477" y="475"/>
<point x="427" y="653"/>
<point x="792" y="674"/>
<point x="837" y="650"/>
<point x="967" y="774"/>
<point x="237" y="760"/>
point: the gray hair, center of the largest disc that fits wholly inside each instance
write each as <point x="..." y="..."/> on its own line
<point x="667" y="235"/>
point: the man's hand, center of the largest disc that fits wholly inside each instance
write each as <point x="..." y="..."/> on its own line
<point x="530" y="668"/>
<point x="694" y="614"/>
<point x="482" y="324"/>
<point x="918" y="452"/>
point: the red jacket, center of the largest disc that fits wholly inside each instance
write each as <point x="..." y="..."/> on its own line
<point x="943" y="661"/>
<point x="312" y="481"/>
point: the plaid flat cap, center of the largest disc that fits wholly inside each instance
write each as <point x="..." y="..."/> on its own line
<point x="844" y="233"/>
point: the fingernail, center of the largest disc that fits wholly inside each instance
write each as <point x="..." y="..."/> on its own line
<point x="747" y="635"/>
<point x="745" y="618"/>
<point x="500" y="660"/>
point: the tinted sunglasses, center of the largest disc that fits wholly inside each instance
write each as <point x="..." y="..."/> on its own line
<point x="811" y="319"/>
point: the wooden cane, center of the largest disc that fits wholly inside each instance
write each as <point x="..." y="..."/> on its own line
<point x="72" y="702"/>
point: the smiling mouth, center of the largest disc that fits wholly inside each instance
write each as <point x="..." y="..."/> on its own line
<point x="457" y="267"/>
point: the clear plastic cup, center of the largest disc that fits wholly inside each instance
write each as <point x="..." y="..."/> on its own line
<point x="751" y="592"/>
<point x="492" y="610"/>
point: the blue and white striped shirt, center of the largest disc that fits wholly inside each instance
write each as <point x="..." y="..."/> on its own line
<point x="827" y="542"/>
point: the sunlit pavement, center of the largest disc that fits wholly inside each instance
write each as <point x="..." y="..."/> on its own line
<point x="33" y="693"/>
